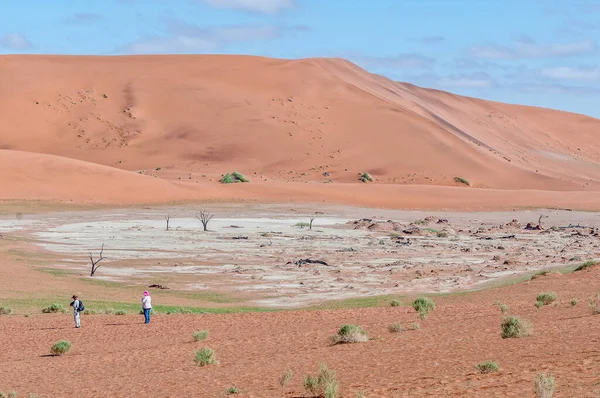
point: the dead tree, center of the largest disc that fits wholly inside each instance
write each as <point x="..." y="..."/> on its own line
<point x="167" y="219"/>
<point x="95" y="264"/>
<point x="311" y="222"/>
<point x="204" y="218"/>
<point x="540" y="221"/>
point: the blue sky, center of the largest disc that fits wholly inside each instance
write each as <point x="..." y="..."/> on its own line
<point x="534" y="52"/>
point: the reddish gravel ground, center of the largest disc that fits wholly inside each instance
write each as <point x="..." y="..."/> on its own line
<point x="119" y="356"/>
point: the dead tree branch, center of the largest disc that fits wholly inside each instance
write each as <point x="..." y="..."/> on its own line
<point x="311" y="222"/>
<point x="205" y="218"/>
<point x="167" y="219"/>
<point x="95" y="264"/>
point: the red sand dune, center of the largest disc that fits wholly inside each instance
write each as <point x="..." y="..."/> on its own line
<point x="280" y="122"/>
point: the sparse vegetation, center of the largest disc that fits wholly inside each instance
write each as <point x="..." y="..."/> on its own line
<point x="514" y="327"/>
<point x="92" y="312"/>
<point x="415" y="326"/>
<point x="233" y="390"/>
<point x="285" y="377"/>
<point x="301" y="224"/>
<point x="462" y="181"/>
<point x="539" y="304"/>
<point x="205" y="356"/>
<point x="234" y="177"/>
<point x="61" y="347"/>
<point x="350" y="334"/>
<point x="5" y="310"/>
<point x="544" y="385"/>
<point x="546" y="298"/>
<point x="594" y="303"/>
<point x="12" y="394"/>
<point x="586" y="265"/>
<point x="360" y="394"/>
<point x="395" y="303"/>
<point x="200" y="335"/>
<point x="503" y="308"/>
<point x="104" y="96"/>
<point x="120" y="312"/>
<point x="158" y="168"/>
<point x="423" y="305"/>
<point x="365" y="177"/>
<point x="487" y="367"/>
<point x="442" y="234"/>
<point x="395" y="327"/>
<point x="574" y="302"/>
<point x="54" y="308"/>
<point x="325" y="384"/>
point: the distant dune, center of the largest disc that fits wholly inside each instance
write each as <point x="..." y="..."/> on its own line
<point x="299" y="130"/>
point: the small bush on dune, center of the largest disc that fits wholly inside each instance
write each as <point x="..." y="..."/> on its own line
<point x="574" y="302"/>
<point x="395" y="327"/>
<point x="462" y="181"/>
<point x="539" y="304"/>
<point x="61" y="347"/>
<point x="395" y="303"/>
<point x="415" y="326"/>
<point x="594" y="303"/>
<point x="349" y="334"/>
<point x="285" y="377"/>
<point x="200" y="335"/>
<point x="423" y="305"/>
<point x="544" y="385"/>
<point x="234" y="177"/>
<point x="325" y="384"/>
<point x="5" y="310"/>
<point x="205" y="356"/>
<point x="514" y="327"/>
<point x="546" y="298"/>
<point x="120" y="312"/>
<point x="54" y="308"/>
<point x="364" y="177"/>
<point x="487" y="367"/>
<point x="233" y="390"/>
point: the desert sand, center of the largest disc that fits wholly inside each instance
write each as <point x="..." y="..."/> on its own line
<point x="96" y="151"/>
<point x="298" y="129"/>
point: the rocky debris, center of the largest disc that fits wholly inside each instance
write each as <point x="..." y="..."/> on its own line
<point x="531" y="227"/>
<point x="442" y="221"/>
<point x="304" y="261"/>
<point x="158" y="286"/>
<point x="371" y="225"/>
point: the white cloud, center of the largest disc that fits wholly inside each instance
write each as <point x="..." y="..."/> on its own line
<point x="15" y="41"/>
<point x="262" y="6"/>
<point x="528" y="48"/>
<point x="589" y="74"/>
<point x="182" y="37"/>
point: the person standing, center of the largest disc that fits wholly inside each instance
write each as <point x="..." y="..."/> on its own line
<point x="147" y="306"/>
<point x="75" y="304"/>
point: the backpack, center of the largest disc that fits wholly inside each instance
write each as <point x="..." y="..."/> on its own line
<point x="81" y="308"/>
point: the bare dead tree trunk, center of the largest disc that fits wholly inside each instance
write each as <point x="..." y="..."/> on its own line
<point x="205" y="218"/>
<point x="540" y="221"/>
<point x="95" y="264"/>
<point x="311" y="222"/>
<point x="167" y="218"/>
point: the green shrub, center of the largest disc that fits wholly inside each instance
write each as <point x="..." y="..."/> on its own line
<point x="487" y="367"/>
<point x="285" y="377"/>
<point x="503" y="308"/>
<point x="514" y="327"/>
<point x="151" y="311"/>
<point x="462" y="181"/>
<point x="325" y="384"/>
<point x="442" y="234"/>
<point x="539" y="304"/>
<point x="544" y="385"/>
<point x="395" y="327"/>
<point x="395" y="303"/>
<point x="109" y="311"/>
<point x="546" y="298"/>
<point x="54" y="308"/>
<point x="61" y="347"/>
<point x="200" y="335"/>
<point x="364" y="177"/>
<point x="415" y="326"/>
<point x="231" y="178"/>
<point x="349" y="334"/>
<point x="233" y="390"/>
<point x="302" y="225"/>
<point x="423" y="305"/>
<point x="205" y="356"/>
<point x="5" y="310"/>
<point x="12" y="394"/>
<point x="120" y="312"/>
<point x="92" y="312"/>
<point x="586" y="265"/>
<point x="574" y="302"/>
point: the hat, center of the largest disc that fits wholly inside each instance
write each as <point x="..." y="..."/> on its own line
<point x="146" y="293"/>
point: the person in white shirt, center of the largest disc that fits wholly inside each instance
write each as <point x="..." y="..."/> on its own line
<point x="146" y="306"/>
<point x="75" y="305"/>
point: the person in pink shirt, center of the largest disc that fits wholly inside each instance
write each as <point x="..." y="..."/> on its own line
<point x="146" y="306"/>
